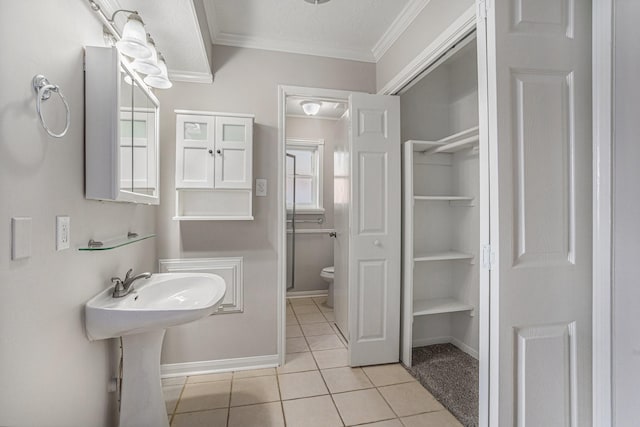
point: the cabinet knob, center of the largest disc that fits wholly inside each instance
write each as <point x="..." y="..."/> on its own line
<point x="377" y="243"/>
<point x="218" y="151"/>
<point x="210" y="151"/>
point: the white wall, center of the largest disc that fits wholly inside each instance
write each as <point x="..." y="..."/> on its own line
<point x="626" y="212"/>
<point x="313" y="251"/>
<point x="50" y="374"/>
<point x="245" y="81"/>
<point x="436" y="16"/>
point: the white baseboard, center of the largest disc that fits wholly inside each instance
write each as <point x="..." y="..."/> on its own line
<point x="446" y="340"/>
<point x="306" y="294"/>
<point x="215" y="366"/>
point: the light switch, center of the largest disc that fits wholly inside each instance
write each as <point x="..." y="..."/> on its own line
<point x="20" y="237"/>
<point x="261" y="187"/>
<point x="63" y="232"/>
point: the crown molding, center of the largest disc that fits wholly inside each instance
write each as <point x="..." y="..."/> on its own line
<point x="303" y="48"/>
<point x="210" y="12"/>
<point x="190" y="76"/>
<point x="398" y="27"/>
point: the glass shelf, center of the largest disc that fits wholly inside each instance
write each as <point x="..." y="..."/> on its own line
<point x="115" y="242"/>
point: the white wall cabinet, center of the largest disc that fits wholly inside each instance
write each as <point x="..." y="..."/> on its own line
<point x="214" y="161"/>
<point x="121" y="131"/>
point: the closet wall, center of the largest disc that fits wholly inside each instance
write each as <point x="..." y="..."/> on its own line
<point x="441" y="104"/>
<point x="313" y="251"/>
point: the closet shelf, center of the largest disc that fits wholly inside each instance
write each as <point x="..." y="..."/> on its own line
<point x="450" y="144"/>
<point x="443" y="256"/>
<point x="425" y="307"/>
<point x="443" y="198"/>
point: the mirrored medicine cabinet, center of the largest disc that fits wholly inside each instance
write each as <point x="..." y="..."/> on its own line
<point x="121" y="131"/>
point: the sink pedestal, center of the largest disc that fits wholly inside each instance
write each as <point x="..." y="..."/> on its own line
<point x="142" y="402"/>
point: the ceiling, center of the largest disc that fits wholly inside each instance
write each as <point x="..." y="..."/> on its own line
<point x="173" y="25"/>
<point x="329" y="108"/>
<point x="360" y="30"/>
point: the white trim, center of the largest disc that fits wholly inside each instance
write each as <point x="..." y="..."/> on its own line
<point x="190" y="76"/>
<point x="170" y="370"/>
<point x="281" y="216"/>
<point x="316" y="117"/>
<point x="462" y="26"/>
<point x="212" y="21"/>
<point x="399" y="25"/>
<point x="306" y="294"/>
<point x="289" y="46"/>
<point x="422" y="342"/>
<point x="213" y="113"/>
<point x="603" y="28"/>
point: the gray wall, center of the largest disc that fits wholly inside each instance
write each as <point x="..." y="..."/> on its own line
<point x="626" y="211"/>
<point x="51" y="375"/>
<point x="245" y="81"/>
<point x="436" y="16"/>
<point x="314" y="251"/>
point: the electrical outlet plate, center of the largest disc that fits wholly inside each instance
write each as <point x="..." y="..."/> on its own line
<point x="261" y="187"/>
<point x="63" y="232"/>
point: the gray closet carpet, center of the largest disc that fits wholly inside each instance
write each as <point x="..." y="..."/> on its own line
<point x="451" y="375"/>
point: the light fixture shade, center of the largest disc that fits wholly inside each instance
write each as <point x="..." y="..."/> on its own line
<point x="310" y="108"/>
<point x="148" y="65"/>
<point x="160" y="81"/>
<point x="134" y="39"/>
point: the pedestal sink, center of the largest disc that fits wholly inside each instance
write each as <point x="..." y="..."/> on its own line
<point x="141" y="319"/>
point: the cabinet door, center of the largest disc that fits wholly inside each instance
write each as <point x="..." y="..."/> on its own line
<point x="194" y="151"/>
<point x="234" y="151"/>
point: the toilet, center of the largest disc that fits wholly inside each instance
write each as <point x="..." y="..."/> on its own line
<point x="327" y="275"/>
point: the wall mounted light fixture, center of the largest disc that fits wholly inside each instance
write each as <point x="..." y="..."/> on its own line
<point x="137" y="44"/>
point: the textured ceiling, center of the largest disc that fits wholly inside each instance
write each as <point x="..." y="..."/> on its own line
<point x="340" y="28"/>
<point x="174" y="27"/>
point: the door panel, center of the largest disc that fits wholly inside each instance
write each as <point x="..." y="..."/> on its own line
<point x="195" y="144"/>
<point x="538" y="82"/>
<point x="234" y="142"/>
<point x="374" y="280"/>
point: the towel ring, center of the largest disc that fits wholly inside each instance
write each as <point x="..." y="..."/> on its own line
<point x="43" y="91"/>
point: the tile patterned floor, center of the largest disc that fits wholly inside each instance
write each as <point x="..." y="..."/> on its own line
<point x="315" y="387"/>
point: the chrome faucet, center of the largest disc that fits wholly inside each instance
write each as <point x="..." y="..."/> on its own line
<point x="123" y="287"/>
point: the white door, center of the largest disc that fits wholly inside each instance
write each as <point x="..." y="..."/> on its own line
<point x="374" y="246"/>
<point x="194" y="151"/>
<point x="341" y="205"/>
<point x="538" y="82"/>
<point x="234" y="142"/>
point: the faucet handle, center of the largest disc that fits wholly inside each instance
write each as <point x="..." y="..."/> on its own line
<point x="116" y="281"/>
<point x="128" y="275"/>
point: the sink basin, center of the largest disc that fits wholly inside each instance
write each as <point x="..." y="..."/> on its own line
<point x="164" y="300"/>
<point x="141" y="319"/>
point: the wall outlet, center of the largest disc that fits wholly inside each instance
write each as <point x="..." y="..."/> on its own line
<point x="261" y="187"/>
<point x="63" y="232"/>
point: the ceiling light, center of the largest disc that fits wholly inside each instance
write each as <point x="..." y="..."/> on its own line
<point x="160" y="81"/>
<point x="316" y="1"/>
<point x="134" y="38"/>
<point x="310" y="108"/>
<point x="148" y="65"/>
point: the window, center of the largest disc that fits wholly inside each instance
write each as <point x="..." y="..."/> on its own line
<point x="308" y="161"/>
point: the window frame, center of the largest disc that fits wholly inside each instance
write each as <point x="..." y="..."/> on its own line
<point x="317" y="147"/>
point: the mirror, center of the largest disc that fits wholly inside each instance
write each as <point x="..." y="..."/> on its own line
<point x="121" y="131"/>
<point x="138" y="148"/>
